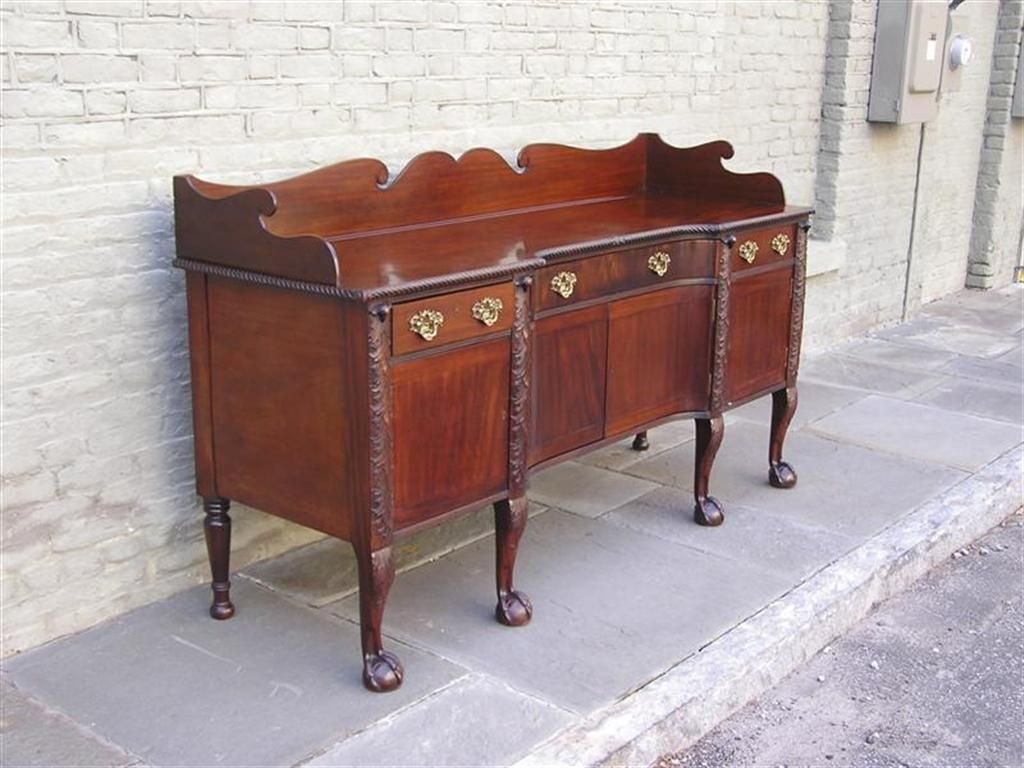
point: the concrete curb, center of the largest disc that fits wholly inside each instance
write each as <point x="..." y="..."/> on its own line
<point x="676" y="709"/>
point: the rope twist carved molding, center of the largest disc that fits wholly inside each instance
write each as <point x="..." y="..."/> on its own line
<point x="796" y="325"/>
<point x="520" y="389"/>
<point x="721" y="325"/>
<point x="381" y="502"/>
<point x="384" y="292"/>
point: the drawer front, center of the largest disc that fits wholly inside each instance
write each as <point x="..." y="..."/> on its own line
<point x="756" y="248"/>
<point x="575" y="281"/>
<point x="440" y="320"/>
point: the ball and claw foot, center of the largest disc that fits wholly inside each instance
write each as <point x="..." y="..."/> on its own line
<point x="514" y="609"/>
<point x="708" y="511"/>
<point x="222" y="611"/>
<point x="781" y="475"/>
<point x="640" y="442"/>
<point x="382" y="672"/>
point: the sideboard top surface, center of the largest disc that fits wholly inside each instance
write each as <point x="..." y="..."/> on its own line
<point x="415" y="255"/>
<point x="444" y="220"/>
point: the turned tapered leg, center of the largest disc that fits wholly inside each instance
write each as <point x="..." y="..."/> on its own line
<point x="780" y="473"/>
<point x="217" y="527"/>
<point x="514" y="608"/>
<point x="707" y="510"/>
<point x="382" y="670"/>
<point x="640" y="442"/>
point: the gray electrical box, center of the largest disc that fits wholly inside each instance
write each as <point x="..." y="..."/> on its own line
<point x="910" y="52"/>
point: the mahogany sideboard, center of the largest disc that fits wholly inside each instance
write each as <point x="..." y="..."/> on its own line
<point x="370" y="355"/>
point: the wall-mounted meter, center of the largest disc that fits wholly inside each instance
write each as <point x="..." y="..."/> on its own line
<point x="910" y="55"/>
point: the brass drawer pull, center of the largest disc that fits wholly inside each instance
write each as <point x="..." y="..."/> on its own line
<point x="564" y="283"/>
<point x="487" y="310"/>
<point x="658" y="263"/>
<point x="748" y="251"/>
<point x="426" y="323"/>
<point x="780" y="244"/>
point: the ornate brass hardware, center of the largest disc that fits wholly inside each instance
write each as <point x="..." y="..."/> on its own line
<point x="780" y="244"/>
<point x="564" y="283"/>
<point x="748" y="251"/>
<point x="426" y="323"/>
<point x="487" y="310"/>
<point x="658" y="263"/>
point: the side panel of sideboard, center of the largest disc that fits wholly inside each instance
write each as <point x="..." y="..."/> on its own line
<point x="288" y="381"/>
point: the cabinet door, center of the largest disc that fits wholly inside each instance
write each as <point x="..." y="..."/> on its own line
<point x="658" y="353"/>
<point x="450" y="429"/>
<point x="568" y="382"/>
<point x="759" y="317"/>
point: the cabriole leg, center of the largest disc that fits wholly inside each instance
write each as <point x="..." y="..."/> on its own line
<point x="707" y="510"/>
<point x="514" y="608"/>
<point x="780" y="473"/>
<point x="640" y="442"/>
<point x="382" y="670"/>
<point x="217" y="527"/>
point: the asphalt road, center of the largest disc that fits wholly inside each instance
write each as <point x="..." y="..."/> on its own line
<point x="932" y="678"/>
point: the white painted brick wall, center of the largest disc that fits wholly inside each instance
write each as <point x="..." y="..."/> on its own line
<point x="866" y="179"/>
<point x="998" y="238"/>
<point x="104" y="101"/>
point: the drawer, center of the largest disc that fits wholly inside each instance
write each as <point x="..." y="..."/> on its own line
<point x="755" y="248"/>
<point x="575" y="281"/>
<point x="440" y="320"/>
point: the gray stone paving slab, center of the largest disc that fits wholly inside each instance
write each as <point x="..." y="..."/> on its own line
<point x="1003" y="318"/>
<point x="32" y="734"/>
<point x="845" y="488"/>
<point x="621" y="454"/>
<point x="894" y="355"/>
<point x="325" y="571"/>
<point x="951" y="336"/>
<point x="612" y="608"/>
<point x="476" y="721"/>
<point x="1001" y="370"/>
<point x="772" y="541"/>
<point x="1014" y="357"/>
<point x="837" y="368"/>
<point x="921" y="431"/>
<point x="975" y="297"/>
<point x="815" y="400"/>
<point x="175" y="687"/>
<point x="675" y="709"/>
<point x="585" y="490"/>
<point x="1003" y="403"/>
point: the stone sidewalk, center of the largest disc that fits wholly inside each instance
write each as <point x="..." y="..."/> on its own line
<point x="647" y="629"/>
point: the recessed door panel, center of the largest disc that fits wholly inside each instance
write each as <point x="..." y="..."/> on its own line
<point x="568" y="382"/>
<point x="450" y="429"/>
<point x="759" y="317"/>
<point x="658" y="346"/>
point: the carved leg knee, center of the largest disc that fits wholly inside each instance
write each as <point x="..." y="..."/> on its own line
<point x="217" y="527"/>
<point x="707" y="509"/>
<point x="514" y="608"/>
<point x="780" y="473"/>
